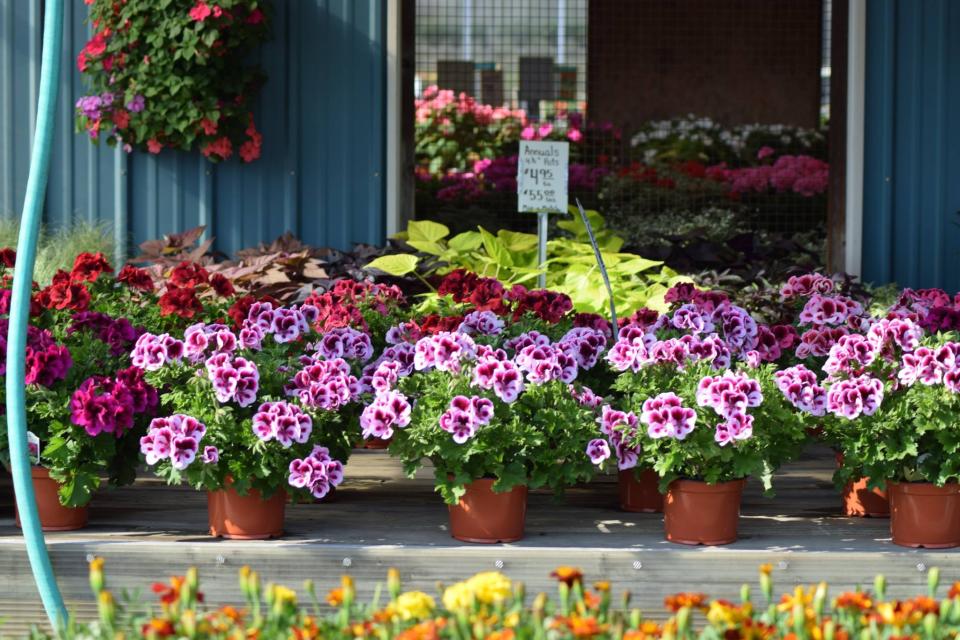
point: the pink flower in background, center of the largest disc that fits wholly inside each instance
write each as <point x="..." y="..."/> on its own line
<point x="200" y="11"/>
<point x="800" y="387"/>
<point x="764" y="152"/>
<point x="598" y="450"/>
<point x="528" y="133"/>
<point x="465" y="415"/>
<point x="849" y="398"/>
<point x="806" y="285"/>
<point x="325" y="384"/>
<point x="175" y="438"/>
<point x="318" y="472"/>
<point x="284" y="422"/>
<point x="666" y="417"/>
<point x="211" y="455"/>
<point x="388" y="411"/>
<point x="736" y="427"/>
<point x="729" y="394"/>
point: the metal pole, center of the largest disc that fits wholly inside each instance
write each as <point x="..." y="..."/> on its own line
<point x="542" y="222"/>
<point x="19" y="312"/>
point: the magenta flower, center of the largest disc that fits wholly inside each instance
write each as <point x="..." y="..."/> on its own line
<point x="598" y="450"/>
<point x="211" y="455"/>
<point x="850" y="398"/>
<point x="151" y="352"/>
<point x="485" y="323"/>
<point x="666" y="417"/>
<point x="282" y="421"/>
<point x="800" y="387"/>
<point x="615" y="421"/>
<point x="736" y="427"/>
<point x="176" y="438"/>
<point x="897" y="332"/>
<point x="921" y="365"/>
<point x="236" y="380"/>
<point x="325" y="384"/>
<point x="689" y="317"/>
<point x="389" y="410"/>
<point x="585" y="396"/>
<point x="465" y="415"/>
<point x="729" y="394"/>
<point x="584" y="345"/>
<point x="346" y="343"/>
<point x="318" y="472"/>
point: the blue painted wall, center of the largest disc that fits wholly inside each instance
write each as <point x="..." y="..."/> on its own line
<point x="321" y="113"/>
<point x="911" y="213"/>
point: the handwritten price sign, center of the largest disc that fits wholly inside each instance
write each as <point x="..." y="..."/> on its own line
<point x="542" y="176"/>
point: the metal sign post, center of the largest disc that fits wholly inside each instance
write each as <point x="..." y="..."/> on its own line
<point x="542" y="187"/>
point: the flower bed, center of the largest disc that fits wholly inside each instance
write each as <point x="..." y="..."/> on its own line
<point x="506" y="387"/>
<point x="490" y="606"/>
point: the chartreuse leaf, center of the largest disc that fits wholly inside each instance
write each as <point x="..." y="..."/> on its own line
<point x="397" y="264"/>
<point x="426" y="231"/>
<point x="465" y="242"/>
<point x="433" y="248"/>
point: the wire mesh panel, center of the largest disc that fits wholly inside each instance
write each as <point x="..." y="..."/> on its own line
<point x="696" y="127"/>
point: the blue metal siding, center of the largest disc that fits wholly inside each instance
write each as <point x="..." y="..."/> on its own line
<point x="321" y="112"/>
<point x="911" y="159"/>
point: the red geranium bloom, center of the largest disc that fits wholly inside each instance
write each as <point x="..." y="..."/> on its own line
<point x="154" y="145"/>
<point x="209" y="126"/>
<point x="88" y="267"/>
<point x="459" y="283"/>
<point x="189" y="274"/>
<point x="121" y="118"/>
<point x="180" y="302"/>
<point x="96" y="45"/>
<point x="135" y="278"/>
<point x="8" y="257"/>
<point x="435" y="324"/>
<point x="64" y="294"/>
<point x="222" y="285"/>
<point x="487" y="295"/>
<point x="239" y="309"/>
<point x="82" y="61"/>
<point x="200" y="11"/>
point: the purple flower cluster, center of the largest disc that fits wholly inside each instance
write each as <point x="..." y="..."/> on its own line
<point x="800" y="387"/>
<point x="730" y="395"/>
<point x="887" y="334"/>
<point x="543" y="363"/>
<point x="46" y="361"/>
<point x="465" y="415"/>
<point x="109" y="404"/>
<point x="151" y="352"/>
<point x="176" y="438"/>
<point x="494" y="370"/>
<point x="850" y="397"/>
<point x="666" y="417"/>
<point x="806" y="285"/>
<point x="620" y="428"/>
<point x="849" y="354"/>
<point x="318" y="472"/>
<point x="324" y="384"/>
<point x="585" y="396"/>
<point x="394" y="363"/>
<point x="281" y="421"/>
<point x="345" y="343"/>
<point x="584" y="345"/>
<point x="234" y="379"/>
<point x="287" y="324"/>
<point x="389" y="410"/>
<point x="834" y="310"/>
<point x="200" y="338"/>
<point x="118" y="333"/>
<point x="444" y="351"/>
<point x="932" y="366"/>
<point x="485" y="323"/>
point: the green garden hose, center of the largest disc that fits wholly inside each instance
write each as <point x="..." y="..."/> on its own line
<point x="19" y="312"/>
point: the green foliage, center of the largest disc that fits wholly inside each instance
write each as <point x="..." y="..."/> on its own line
<point x="186" y="69"/>
<point x="57" y="248"/>
<point x="537" y="441"/>
<point x="779" y="432"/>
<point x="511" y="257"/>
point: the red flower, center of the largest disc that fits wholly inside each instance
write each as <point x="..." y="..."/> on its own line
<point x="200" y="11"/>
<point x="64" y="294"/>
<point x="135" y="278"/>
<point x="459" y="283"/>
<point x="255" y="17"/>
<point x="96" y="45"/>
<point x="121" y="118"/>
<point x="209" y="126"/>
<point x="220" y="147"/>
<point x="249" y="151"/>
<point x="435" y="324"/>
<point x="8" y="257"/>
<point x="154" y="145"/>
<point x="180" y="302"/>
<point x="82" y="61"/>
<point x="88" y="267"/>
<point x="188" y="274"/>
<point x="487" y="295"/>
<point x="222" y="285"/>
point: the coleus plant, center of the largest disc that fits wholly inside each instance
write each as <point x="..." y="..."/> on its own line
<point x="269" y="407"/>
<point x="86" y="406"/>
<point x="486" y="400"/>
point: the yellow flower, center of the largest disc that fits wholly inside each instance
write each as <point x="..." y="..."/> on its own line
<point x="490" y="587"/>
<point x="458" y="597"/>
<point x="413" y="605"/>
<point x="723" y="612"/>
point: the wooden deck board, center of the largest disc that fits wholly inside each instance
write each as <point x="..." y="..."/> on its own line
<point x="380" y="519"/>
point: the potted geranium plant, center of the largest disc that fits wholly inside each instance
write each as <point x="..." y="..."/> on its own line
<point x="891" y="401"/>
<point x="702" y="410"/>
<point x="86" y="407"/>
<point x="254" y="415"/>
<point x="496" y="415"/>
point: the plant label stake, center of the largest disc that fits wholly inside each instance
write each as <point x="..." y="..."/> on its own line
<point x="603" y="267"/>
<point x="542" y="187"/>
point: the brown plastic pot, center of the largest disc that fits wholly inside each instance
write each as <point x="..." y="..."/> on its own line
<point x="925" y="515"/>
<point x="859" y="501"/>
<point x="695" y="512"/>
<point x="248" y="517"/>
<point x="374" y="443"/>
<point x="53" y="515"/>
<point x="486" y="517"/>
<point x="640" y="494"/>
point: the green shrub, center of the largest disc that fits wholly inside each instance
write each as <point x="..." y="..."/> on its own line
<point x="57" y="248"/>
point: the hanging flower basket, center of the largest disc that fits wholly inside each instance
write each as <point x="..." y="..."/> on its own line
<point x="173" y="77"/>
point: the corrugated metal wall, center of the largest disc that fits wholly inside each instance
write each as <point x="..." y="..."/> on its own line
<point x="911" y="213"/>
<point x="321" y="112"/>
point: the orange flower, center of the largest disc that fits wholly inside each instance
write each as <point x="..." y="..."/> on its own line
<point x="168" y="594"/>
<point x="954" y="590"/>
<point x="503" y="634"/>
<point x="688" y="599"/>
<point x="335" y="597"/>
<point x="428" y="630"/>
<point x="157" y="628"/>
<point x="584" y="627"/>
<point x="766" y="569"/>
<point x="853" y="600"/>
<point x="309" y="630"/>
<point x="648" y="630"/>
<point x="603" y="586"/>
<point x="567" y="575"/>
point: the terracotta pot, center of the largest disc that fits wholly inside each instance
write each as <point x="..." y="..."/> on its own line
<point x="374" y="443"/>
<point x="640" y="495"/>
<point x="487" y="517"/>
<point x="248" y="517"/>
<point x="925" y="515"/>
<point x="859" y="501"/>
<point x="53" y="515"/>
<point x="699" y="513"/>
